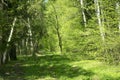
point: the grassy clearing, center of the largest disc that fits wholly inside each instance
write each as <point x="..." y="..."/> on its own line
<point x="101" y="70"/>
<point x="57" y="67"/>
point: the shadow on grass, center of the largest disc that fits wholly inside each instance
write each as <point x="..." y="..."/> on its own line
<point x="106" y="77"/>
<point x="55" y="66"/>
<point x="11" y="71"/>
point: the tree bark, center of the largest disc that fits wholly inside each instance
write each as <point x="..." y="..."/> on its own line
<point x="57" y="27"/>
<point x="30" y="37"/>
<point x="83" y="12"/>
<point x="1" y="59"/>
<point x="98" y="14"/>
<point x="5" y="54"/>
<point x="12" y="52"/>
<point x="118" y="12"/>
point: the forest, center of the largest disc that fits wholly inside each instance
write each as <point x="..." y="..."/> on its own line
<point x="59" y="39"/>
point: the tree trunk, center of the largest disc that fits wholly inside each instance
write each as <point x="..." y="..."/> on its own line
<point x="0" y="45"/>
<point x="57" y="29"/>
<point x="12" y="52"/>
<point x="30" y="37"/>
<point x="59" y="38"/>
<point x="118" y="12"/>
<point x="98" y="14"/>
<point x="83" y="12"/>
<point x="1" y="59"/>
<point x="5" y="54"/>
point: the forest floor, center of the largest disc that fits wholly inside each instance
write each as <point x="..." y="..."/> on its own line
<point x="58" y="67"/>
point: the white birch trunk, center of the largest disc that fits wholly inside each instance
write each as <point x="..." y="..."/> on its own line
<point x="9" y="39"/>
<point x="102" y="15"/>
<point x="83" y="13"/>
<point x="30" y="35"/>
<point x="98" y="14"/>
<point x="118" y="12"/>
<point x="12" y="28"/>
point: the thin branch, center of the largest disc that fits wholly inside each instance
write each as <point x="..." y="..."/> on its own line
<point x="4" y="3"/>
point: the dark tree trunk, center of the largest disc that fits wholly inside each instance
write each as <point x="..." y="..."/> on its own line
<point x="57" y="27"/>
<point x="1" y="59"/>
<point x="12" y="52"/>
<point x="59" y="39"/>
<point x="4" y="52"/>
<point x="7" y="58"/>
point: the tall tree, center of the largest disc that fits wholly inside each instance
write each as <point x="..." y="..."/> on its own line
<point x="5" y="54"/>
<point x="83" y="12"/>
<point x="118" y="12"/>
<point x="57" y="27"/>
<point x="98" y="14"/>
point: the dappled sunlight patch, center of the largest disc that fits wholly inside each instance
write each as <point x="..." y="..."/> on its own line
<point x="53" y="67"/>
<point x="56" y="71"/>
<point x="26" y="64"/>
<point x="109" y="71"/>
<point x="31" y="77"/>
<point x="47" y="78"/>
<point x="87" y="64"/>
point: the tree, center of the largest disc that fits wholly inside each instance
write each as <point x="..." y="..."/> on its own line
<point x="118" y="12"/>
<point x="98" y="14"/>
<point x="57" y="26"/>
<point x="5" y="54"/>
<point x="83" y="12"/>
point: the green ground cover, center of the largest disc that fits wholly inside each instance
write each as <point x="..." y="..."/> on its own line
<point x="57" y="67"/>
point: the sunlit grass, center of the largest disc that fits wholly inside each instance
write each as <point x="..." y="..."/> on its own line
<point x="57" y="67"/>
<point x="101" y="70"/>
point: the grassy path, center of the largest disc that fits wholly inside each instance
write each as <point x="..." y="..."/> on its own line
<point x="56" y="67"/>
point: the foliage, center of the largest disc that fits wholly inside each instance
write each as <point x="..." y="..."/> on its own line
<point x="75" y="28"/>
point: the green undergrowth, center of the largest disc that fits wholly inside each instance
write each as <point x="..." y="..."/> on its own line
<point x="58" y="67"/>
